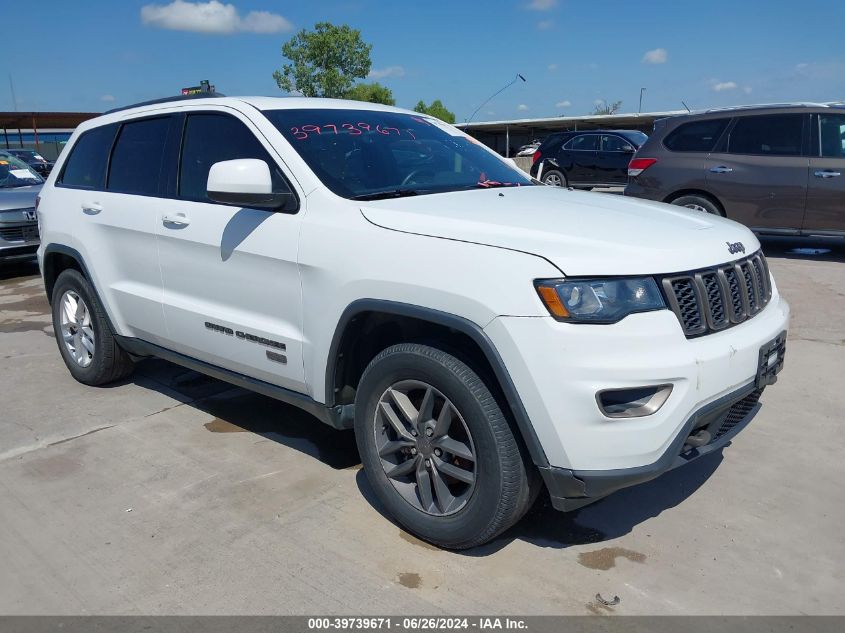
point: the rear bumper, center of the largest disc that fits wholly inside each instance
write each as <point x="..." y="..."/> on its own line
<point x="635" y="189"/>
<point x="723" y="418"/>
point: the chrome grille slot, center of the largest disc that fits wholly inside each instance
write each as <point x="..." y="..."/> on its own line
<point x="713" y="299"/>
<point x="12" y="234"/>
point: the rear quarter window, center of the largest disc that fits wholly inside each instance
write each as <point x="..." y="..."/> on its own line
<point x="696" y="136"/>
<point x="86" y="165"/>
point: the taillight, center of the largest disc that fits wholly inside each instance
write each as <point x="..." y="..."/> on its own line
<point x="639" y="165"/>
<point x="535" y="157"/>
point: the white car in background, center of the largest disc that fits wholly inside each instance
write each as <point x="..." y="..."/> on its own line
<point x="485" y="336"/>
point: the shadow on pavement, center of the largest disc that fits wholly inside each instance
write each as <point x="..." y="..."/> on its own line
<point x="604" y="520"/>
<point x="237" y="410"/>
<point x="827" y="249"/>
<point x="18" y="268"/>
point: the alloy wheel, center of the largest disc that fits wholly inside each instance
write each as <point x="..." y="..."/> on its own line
<point x="425" y="447"/>
<point x="553" y="180"/>
<point x="76" y="328"/>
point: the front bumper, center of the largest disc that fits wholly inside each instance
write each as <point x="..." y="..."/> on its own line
<point x="18" y="239"/>
<point x="557" y="368"/>
<point x="724" y="418"/>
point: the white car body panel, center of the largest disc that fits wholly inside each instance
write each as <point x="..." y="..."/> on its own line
<point x="471" y="254"/>
<point x="583" y="234"/>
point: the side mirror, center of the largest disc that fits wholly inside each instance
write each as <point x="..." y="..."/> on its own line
<point x="245" y="182"/>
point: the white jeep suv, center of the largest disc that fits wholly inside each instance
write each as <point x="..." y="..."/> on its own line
<point x="486" y="336"/>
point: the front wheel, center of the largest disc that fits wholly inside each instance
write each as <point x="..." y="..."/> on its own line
<point x="437" y="449"/>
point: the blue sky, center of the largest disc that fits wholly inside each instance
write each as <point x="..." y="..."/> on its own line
<point x="99" y="54"/>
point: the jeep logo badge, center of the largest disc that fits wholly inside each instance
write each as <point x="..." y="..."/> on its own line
<point x="736" y="247"/>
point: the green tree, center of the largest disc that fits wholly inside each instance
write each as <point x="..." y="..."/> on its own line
<point x="325" y="62"/>
<point x="372" y="93"/>
<point x="607" y="108"/>
<point x="436" y="109"/>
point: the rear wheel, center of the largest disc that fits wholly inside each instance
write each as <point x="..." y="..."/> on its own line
<point x="554" y="178"/>
<point x="698" y="203"/>
<point x="437" y="449"/>
<point x="85" y="341"/>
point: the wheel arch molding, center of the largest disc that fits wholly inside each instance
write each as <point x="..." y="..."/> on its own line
<point x="362" y="308"/>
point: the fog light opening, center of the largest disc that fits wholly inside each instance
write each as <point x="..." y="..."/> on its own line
<point x="632" y="403"/>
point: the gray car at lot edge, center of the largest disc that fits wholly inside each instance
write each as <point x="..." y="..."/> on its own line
<point x="778" y="169"/>
<point x="19" y="186"/>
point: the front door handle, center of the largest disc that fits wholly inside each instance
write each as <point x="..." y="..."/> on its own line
<point x="176" y="220"/>
<point x="91" y="208"/>
<point x="721" y="169"/>
<point x="827" y="173"/>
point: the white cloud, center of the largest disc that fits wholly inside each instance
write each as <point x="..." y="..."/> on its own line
<point x="721" y="86"/>
<point x="522" y="107"/>
<point x="545" y="25"/>
<point x="747" y="90"/>
<point x="552" y="67"/>
<point x="390" y="71"/>
<point x="563" y="104"/>
<point x="108" y="98"/>
<point x="211" y="17"/>
<point x="656" y="56"/>
<point x="542" y="5"/>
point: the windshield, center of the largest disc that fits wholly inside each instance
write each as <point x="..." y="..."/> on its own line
<point x="16" y="173"/>
<point x="366" y="154"/>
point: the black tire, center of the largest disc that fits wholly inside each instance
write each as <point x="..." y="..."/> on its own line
<point x="504" y="487"/>
<point x="552" y="175"/>
<point x="699" y="203"/>
<point x="108" y="362"/>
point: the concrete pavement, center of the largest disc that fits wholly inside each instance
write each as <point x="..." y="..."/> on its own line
<point x="173" y="493"/>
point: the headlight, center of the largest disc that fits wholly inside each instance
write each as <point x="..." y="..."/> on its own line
<point x="599" y="300"/>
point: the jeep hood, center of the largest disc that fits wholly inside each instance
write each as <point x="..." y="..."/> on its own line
<point x="579" y="232"/>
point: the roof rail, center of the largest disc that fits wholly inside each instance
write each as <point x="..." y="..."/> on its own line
<point x="754" y="106"/>
<point x="199" y="95"/>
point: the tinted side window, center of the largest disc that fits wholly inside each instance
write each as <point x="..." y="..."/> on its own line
<point x="86" y="165"/>
<point x="611" y="143"/>
<point x="832" y="135"/>
<point x="585" y="142"/>
<point x="696" y="136"/>
<point x="136" y="163"/>
<point x="771" y="135"/>
<point x="211" y="138"/>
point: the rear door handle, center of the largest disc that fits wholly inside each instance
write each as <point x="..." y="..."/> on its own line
<point x="91" y="208"/>
<point x="721" y="169"/>
<point x="827" y="173"/>
<point x="176" y="220"/>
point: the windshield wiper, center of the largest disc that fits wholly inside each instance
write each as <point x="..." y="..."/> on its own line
<point x="390" y="193"/>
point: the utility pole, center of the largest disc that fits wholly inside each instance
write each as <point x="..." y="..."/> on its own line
<point x="642" y="90"/>
<point x="12" y="88"/>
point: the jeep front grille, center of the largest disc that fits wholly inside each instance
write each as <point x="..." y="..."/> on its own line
<point x="713" y="299"/>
